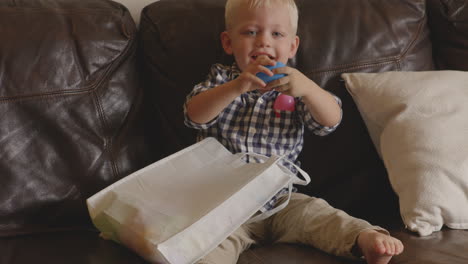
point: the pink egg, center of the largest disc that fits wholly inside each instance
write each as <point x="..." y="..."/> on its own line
<point x="284" y="103"/>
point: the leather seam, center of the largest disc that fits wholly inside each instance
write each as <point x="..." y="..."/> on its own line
<point x="389" y="60"/>
<point x="61" y="93"/>
<point x="355" y="67"/>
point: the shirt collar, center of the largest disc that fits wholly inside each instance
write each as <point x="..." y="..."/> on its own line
<point x="235" y="71"/>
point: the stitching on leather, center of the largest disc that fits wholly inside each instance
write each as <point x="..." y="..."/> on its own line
<point x="44" y="96"/>
<point x="55" y="10"/>
<point x="61" y="93"/>
<point x="389" y="60"/>
<point x="360" y="66"/>
<point x="103" y="117"/>
<point x="105" y="128"/>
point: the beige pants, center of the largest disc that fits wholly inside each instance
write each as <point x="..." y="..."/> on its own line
<point x="306" y="220"/>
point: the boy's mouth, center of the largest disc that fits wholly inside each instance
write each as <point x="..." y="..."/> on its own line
<point x="254" y="57"/>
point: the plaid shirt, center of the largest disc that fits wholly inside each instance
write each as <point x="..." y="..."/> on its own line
<point x="249" y="123"/>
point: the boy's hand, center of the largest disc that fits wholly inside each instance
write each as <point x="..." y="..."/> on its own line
<point x="322" y="105"/>
<point x="248" y="81"/>
<point x="294" y="83"/>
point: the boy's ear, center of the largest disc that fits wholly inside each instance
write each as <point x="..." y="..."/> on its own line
<point x="294" y="47"/>
<point x="226" y="41"/>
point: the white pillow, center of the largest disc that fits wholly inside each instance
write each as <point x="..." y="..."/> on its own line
<point x="418" y="122"/>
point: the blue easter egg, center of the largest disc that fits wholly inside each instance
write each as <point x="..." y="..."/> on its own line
<point x="267" y="78"/>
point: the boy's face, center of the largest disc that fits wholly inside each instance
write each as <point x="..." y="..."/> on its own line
<point x="260" y="31"/>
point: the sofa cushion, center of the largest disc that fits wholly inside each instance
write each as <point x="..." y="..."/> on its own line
<point x="70" y="109"/>
<point x="71" y="247"/>
<point x="446" y="246"/>
<point x="180" y="41"/>
<point x="417" y="121"/>
<point x="176" y="55"/>
<point x="448" y="21"/>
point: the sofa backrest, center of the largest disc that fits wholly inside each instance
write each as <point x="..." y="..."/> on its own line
<point x="448" y="21"/>
<point x="70" y="109"/>
<point x="180" y="40"/>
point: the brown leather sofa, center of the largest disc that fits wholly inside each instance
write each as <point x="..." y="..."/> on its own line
<point x="86" y="99"/>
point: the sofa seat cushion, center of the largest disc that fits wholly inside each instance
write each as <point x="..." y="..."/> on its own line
<point x="71" y="247"/>
<point x="289" y="254"/>
<point x="446" y="246"/>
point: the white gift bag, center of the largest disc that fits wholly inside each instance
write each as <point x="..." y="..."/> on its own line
<point x="178" y="209"/>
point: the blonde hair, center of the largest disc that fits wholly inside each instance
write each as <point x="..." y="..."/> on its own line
<point x="233" y="5"/>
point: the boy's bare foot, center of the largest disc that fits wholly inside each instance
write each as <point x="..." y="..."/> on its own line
<point x="378" y="248"/>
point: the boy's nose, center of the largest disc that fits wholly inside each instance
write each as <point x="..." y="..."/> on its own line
<point x="263" y="40"/>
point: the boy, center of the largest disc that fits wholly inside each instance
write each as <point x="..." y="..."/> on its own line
<point x="236" y="107"/>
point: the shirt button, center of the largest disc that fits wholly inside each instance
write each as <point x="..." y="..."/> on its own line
<point x="253" y="130"/>
<point x="260" y="100"/>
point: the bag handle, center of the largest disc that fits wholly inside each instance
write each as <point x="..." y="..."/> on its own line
<point x="304" y="174"/>
<point x="277" y="208"/>
<point x="296" y="180"/>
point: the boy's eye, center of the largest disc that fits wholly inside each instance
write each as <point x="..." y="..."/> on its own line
<point x="251" y="33"/>
<point x="277" y="34"/>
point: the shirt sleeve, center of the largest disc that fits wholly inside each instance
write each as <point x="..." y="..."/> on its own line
<point x="216" y="76"/>
<point x="312" y="124"/>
